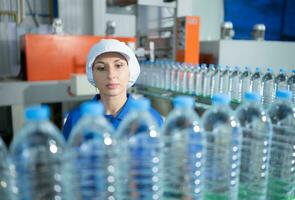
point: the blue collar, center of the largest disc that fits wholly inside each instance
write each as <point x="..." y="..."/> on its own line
<point x="124" y="110"/>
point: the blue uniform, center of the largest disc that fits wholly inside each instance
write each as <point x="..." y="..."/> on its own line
<point x="75" y="115"/>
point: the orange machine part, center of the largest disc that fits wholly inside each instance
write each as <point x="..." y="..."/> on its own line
<point x="56" y="57"/>
<point x="191" y="51"/>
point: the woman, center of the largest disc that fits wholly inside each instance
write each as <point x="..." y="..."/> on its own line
<point x="111" y="67"/>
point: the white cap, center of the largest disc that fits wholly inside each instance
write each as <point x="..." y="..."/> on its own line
<point x="112" y="45"/>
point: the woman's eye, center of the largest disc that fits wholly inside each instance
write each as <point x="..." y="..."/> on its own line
<point x="119" y="65"/>
<point x="99" y="68"/>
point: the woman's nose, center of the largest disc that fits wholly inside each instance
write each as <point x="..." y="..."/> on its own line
<point x="112" y="73"/>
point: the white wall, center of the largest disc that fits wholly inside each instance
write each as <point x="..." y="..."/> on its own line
<point x="211" y="13"/>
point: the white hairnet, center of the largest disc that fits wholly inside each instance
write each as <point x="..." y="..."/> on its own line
<point x="112" y="45"/>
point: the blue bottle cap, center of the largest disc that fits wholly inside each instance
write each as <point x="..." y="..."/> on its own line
<point x="141" y="104"/>
<point x="257" y="69"/>
<point x="293" y="70"/>
<point x="35" y="113"/>
<point x="284" y="95"/>
<point x="282" y="71"/>
<point x="92" y="108"/>
<point x="183" y="102"/>
<point x="269" y="70"/>
<point x="252" y="97"/>
<point x="220" y="99"/>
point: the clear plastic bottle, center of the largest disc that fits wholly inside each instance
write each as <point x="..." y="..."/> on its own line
<point x="224" y="81"/>
<point x="179" y="79"/>
<point x="234" y="84"/>
<point x="208" y="81"/>
<point x="137" y="150"/>
<point x="245" y="80"/>
<point x="281" y="81"/>
<point x="91" y="146"/>
<point x="268" y="87"/>
<point x="7" y="188"/>
<point x="182" y="153"/>
<point x="215" y="83"/>
<point x="291" y="85"/>
<point x="282" y="158"/>
<point x="256" y="82"/>
<point x="40" y="158"/>
<point x="184" y="79"/>
<point x="223" y="136"/>
<point x="173" y="83"/>
<point x="257" y="134"/>
<point x="200" y="79"/>
<point x="191" y="79"/>
<point x="168" y="68"/>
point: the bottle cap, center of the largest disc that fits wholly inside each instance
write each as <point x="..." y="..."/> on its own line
<point x="183" y="102"/>
<point x="220" y="99"/>
<point x="141" y="104"/>
<point x="269" y="70"/>
<point x="92" y="108"/>
<point x="37" y="113"/>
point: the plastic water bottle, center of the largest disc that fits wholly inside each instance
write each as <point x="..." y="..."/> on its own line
<point x="182" y="153"/>
<point x="256" y="82"/>
<point x="200" y="80"/>
<point x="268" y="87"/>
<point x="173" y="83"/>
<point x="291" y="85"/>
<point x="208" y="81"/>
<point x="179" y="79"/>
<point x="245" y="80"/>
<point x="256" y="133"/>
<point x="168" y="68"/>
<point x="7" y="191"/>
<point x="40" y="159"/>
<point x="281" y="81"/>
<point x="184" y="79"/>
<point x="91" y="146"/>
<point x="234" y="84"/>
<point x="223" y="134"/>
<point x="224" y="81"/>
<point x="282" y="159"/>
<point x="215" y="83"/>
<point x="191" y="79"/>
<point x="137" y="149"/>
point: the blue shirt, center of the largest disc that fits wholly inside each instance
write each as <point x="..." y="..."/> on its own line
<point x="75" y="115"/>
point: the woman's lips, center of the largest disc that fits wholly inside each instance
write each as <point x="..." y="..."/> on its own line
<point x="112" y="85"/>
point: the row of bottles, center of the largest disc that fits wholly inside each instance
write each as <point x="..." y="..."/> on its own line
<point x="225" y="154"/>
<point x="207" y="81"/>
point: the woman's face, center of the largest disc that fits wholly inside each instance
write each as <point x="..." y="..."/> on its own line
<point x="111" y="74"/>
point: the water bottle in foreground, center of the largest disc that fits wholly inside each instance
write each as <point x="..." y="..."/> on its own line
<point x="91" y="146"/>
<point x="256" y="133"/>
<point x="282" y="159"/>
<point x="40" y="159"/>
<point x="222" y="165"/>
<point x="137" y="151"/>
<point x="182" y="153"/>
<point x="7" y="189"/>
